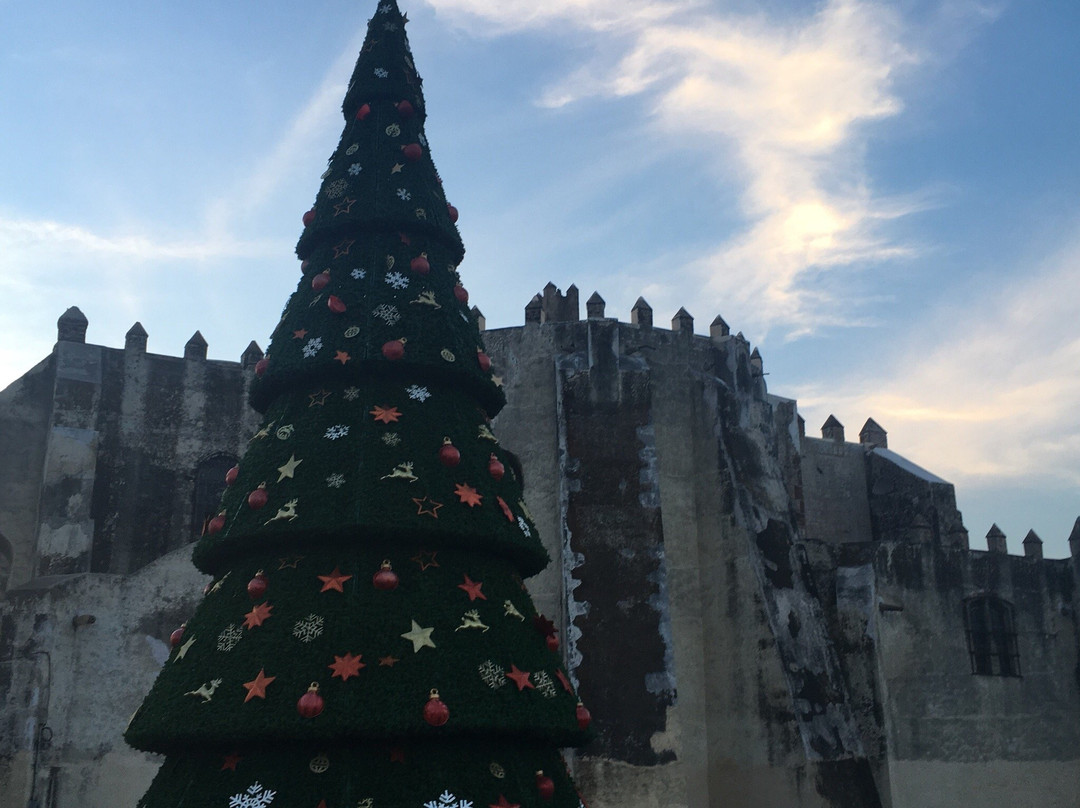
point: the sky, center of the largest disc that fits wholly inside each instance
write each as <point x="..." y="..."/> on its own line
<point x="883" y="197"/>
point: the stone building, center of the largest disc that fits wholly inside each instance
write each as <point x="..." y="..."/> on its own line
<point x="756" y="617"/>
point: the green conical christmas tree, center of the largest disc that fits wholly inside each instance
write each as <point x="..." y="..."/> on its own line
<point x="367" y="639"/>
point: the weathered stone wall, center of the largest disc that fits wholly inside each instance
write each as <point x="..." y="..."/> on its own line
<point x="945" y="724"/>
<point x="941" y="734"/>
<point x="25" y="409"/>
<point x="674" y="514"/>
<point x="908" y="503"/>
<point x="836" y="503"/>
<point x="76" y="685"/>
<point x="105" y="449"/>
<point x="727" y="658"/>
<point x="109" y="458"/>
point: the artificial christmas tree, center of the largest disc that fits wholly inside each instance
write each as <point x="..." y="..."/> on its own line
<point x="367" y="639"/>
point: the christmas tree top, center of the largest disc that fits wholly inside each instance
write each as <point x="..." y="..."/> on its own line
<point x="381" y="181"/>
<point x="376" y="370"/>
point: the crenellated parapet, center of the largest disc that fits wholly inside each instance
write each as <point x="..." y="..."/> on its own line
<point x="112" y="454"/>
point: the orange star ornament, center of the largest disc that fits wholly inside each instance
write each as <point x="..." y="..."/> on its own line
<point x="467" y="494"/>
<point x="346" y="666"/>
<point x="472" y="588"/>
<point x="386" y="415"/>
<point x="333" y="581"/>
<point x="258" y="615"/>
<point x="256" y="688"/>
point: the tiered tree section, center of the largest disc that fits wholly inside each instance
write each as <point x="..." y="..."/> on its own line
<point x="367" y="639"/>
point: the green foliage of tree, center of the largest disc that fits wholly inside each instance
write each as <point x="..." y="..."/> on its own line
<point x="367" y="641"/>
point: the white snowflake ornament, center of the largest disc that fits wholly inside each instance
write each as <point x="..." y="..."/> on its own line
<point x="387" y="313"/>
<point x="308" y="629"/>
<point x="336" y="431"/>
<point x="312" y="347"/>
<point x="545" y="685"/>
<point x="254" y="797"/>
<point x="403" y="194"/>
<point x="448" y="800"/>
<point x="397" y="280"/>
<point x="229" y="637"/>
<point x="418" y="393"/>
<point x="493" y="675"/>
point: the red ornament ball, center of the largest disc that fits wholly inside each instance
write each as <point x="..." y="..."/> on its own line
<point x="309" y="217"/>
<point x="261" y="366"/>
<point x="305" y="265"/>
<point x="385" y="579"/>
<point x="256" y="587"/>
<point x="311" y="703"/>
<point x="394" y="349"/>
<point x="453" y="213"/>
<point x="552" y="642"/>
<point x="363" y="112"/>
<point x="420" y="265"/>
<point x="335" y="304"/>
<point x="319" y="282"/>
<point x="231" y="475"/>
<point x="413" y="152"/>
<point x="484" y="360"/>
<point x="495" y="468"/>
<point x="177" y="635"/>
<point x="216" y="524"/>
<point x="449" y="455"/>
<point x="545" y="786"/>
<point x="405" y="110"/>
<point x="462" y="294"/>
<point x="257" y="498"/>
<point x="584" y="717"/>
<point x="436" y="712"/>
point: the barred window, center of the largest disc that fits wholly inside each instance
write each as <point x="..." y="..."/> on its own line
<point x="991" y="636"/>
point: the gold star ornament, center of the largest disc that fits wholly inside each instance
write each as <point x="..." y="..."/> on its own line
<point x="419" y="637"/>
<point x="289" y="469"/>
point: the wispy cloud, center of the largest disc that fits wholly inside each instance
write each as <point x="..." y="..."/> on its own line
<point x="992" y="392"/>
<point x="50" y="263"/>
<point x="778" y="109"/>
<point x="786" y="102"/>
<point x="491" y="16"/>
<point x="35" y="239"/>
<point x="288" y="156"/>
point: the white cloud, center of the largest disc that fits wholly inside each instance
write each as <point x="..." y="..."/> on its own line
<point x="49" y="264"/>
<point x="778" y="108"/>
<point x="989" y="394"/>
<point x="30" y="241"/>
<point x="488" y="17"/>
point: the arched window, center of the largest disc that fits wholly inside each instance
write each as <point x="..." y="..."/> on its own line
<point x="991" y="636"/>
<point x="209" y="483"/>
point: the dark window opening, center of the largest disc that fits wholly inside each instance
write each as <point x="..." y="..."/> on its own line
<point x="209" y="483"/>
<point x="6" y="555"/>
<point x="991" y="637"/>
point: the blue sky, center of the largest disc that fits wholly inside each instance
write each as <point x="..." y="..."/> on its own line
<point x="881" y="196"/>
